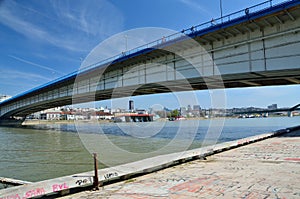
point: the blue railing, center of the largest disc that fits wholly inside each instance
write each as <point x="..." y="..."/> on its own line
<point x="188" y="31"/>
<point x="170" y="38"/>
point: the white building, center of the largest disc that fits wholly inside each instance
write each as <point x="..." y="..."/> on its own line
<point x="51" y="114"/>
<point x="101" y="115"/>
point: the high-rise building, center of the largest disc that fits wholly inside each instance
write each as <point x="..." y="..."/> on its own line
<point x="196" y="108"/>
<point x="131" y="105"/>
<point x="272" y="107"/>
<point x="189" y="108"/>
<point x="183" y="111"/>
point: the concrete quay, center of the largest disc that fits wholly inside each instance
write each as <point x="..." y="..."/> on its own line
<point x="266" y="169"/>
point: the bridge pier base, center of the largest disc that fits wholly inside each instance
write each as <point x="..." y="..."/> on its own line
<point x="290" y="114"/>
<point x="11" y="122"/>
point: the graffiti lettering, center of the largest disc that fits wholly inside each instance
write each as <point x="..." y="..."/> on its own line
<point x="110" y="175"/>
<point x="11" y="197"/>
<point x="59" y="187"/>
<point x="175" y="180"/>
<point x="35" y="192"/>
<point x="81" y="182"/>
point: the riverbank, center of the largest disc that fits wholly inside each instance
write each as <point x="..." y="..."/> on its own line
<point x="37" y="122"/>
<point x="265" y="169"/>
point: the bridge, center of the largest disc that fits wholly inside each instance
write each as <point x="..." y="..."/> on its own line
<point x="288" y="110"/>
<point x="256" y="46"/>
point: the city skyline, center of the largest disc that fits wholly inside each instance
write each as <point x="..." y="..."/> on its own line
<point x="43" y="40"/>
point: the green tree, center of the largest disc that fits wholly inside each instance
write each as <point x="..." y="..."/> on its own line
<point x="175" y="113"/>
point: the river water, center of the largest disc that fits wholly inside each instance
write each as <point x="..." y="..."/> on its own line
<point x="40" y="152"/>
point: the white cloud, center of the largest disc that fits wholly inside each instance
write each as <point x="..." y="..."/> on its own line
<point x="12" y="76"/>
<point x="37" y="65"/>
<point x="14" y="82"/>
<point x="71" y="25"/>
<point x="197" y="5"/>
<point x="126" y="41"/>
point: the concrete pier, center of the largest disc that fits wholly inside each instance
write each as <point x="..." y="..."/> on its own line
<point x="14" y="182"/>
<point x="11" y="122"/>
<point x="265" y="169"/>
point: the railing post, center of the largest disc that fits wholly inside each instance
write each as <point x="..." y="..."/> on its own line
<point x="96" y="179"/>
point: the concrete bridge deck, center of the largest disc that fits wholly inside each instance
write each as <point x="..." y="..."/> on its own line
<point x="265" y="169"/>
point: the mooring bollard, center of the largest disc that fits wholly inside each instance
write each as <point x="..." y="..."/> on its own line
<point x="96" y="179"/>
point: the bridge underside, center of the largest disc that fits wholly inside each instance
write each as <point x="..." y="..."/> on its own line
<point x="291" y="77"/>
<point x="258" y="50"/>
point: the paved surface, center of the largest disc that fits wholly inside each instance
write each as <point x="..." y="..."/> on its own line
<point x="266" y="169"/>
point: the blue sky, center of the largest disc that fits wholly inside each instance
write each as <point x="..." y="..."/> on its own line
<point x="44" y="40"/>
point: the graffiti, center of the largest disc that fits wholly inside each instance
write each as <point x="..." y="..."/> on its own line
<point x="59" y="187"/>
<point x="28" y="194"/>
<point x="243" y="141"/>
<point x="292" y="159"/>
<point x="35" y="192"/>
<point x="110" y="175"/>
<point x="195" y="185"/>
<point x="16" y="196"/>
<point x="173" y="180"/>
<point x="81" y="182"/>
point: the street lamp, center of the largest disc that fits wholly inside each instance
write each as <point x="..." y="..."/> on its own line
<point x="221" y="10"/>
<point x="125" y="36"/>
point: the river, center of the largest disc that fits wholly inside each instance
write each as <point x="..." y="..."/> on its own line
<point x="40" y="152"/>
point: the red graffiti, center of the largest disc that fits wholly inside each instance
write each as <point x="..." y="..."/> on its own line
<point x="11" y="197"/>
<point x="292" y="159"/>
<point x="35" y="192"/>
<point x="193" y="185"/>
<point x="240" y="142"/>
<point x="59" y="187"/>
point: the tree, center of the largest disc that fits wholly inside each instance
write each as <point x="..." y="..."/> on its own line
<point x="174" y="113"/>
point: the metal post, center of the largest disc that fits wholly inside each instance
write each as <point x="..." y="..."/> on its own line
<point x="96" y="180"/>
<point x="126" y="42"/>
<point x="221" y="10"/>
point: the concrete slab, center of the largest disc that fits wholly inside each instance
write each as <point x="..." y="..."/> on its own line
<point x="266" y="169"/>
<point x="11" y="181"/>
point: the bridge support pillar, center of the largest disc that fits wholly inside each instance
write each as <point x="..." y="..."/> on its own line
<point x="266" y="114"/>
<point x="11" y="122"/>
<point x="290" y="113"/>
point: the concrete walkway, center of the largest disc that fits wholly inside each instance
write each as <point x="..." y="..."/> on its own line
<point x="265" y="169"/>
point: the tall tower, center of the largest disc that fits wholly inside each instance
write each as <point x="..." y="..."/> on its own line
<point x="131" y="105"/>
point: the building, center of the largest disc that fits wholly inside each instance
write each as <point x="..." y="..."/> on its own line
<point x="272" y="107"/>
<point x="101" y="115"/>
<point x="196" y="108"/>
<point x="189" y="109"/>
<point x="131" y="105"/>
<point x="54" y="115"/>
<point x="138" y="116"/>
<point x="196" y="111"/>
<point x="51" y="114"/>
<point x="183" y="111"/>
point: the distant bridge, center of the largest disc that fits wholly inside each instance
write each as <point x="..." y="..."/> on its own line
<point x="277" y="110"/>
<point x="257" y="46"/>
